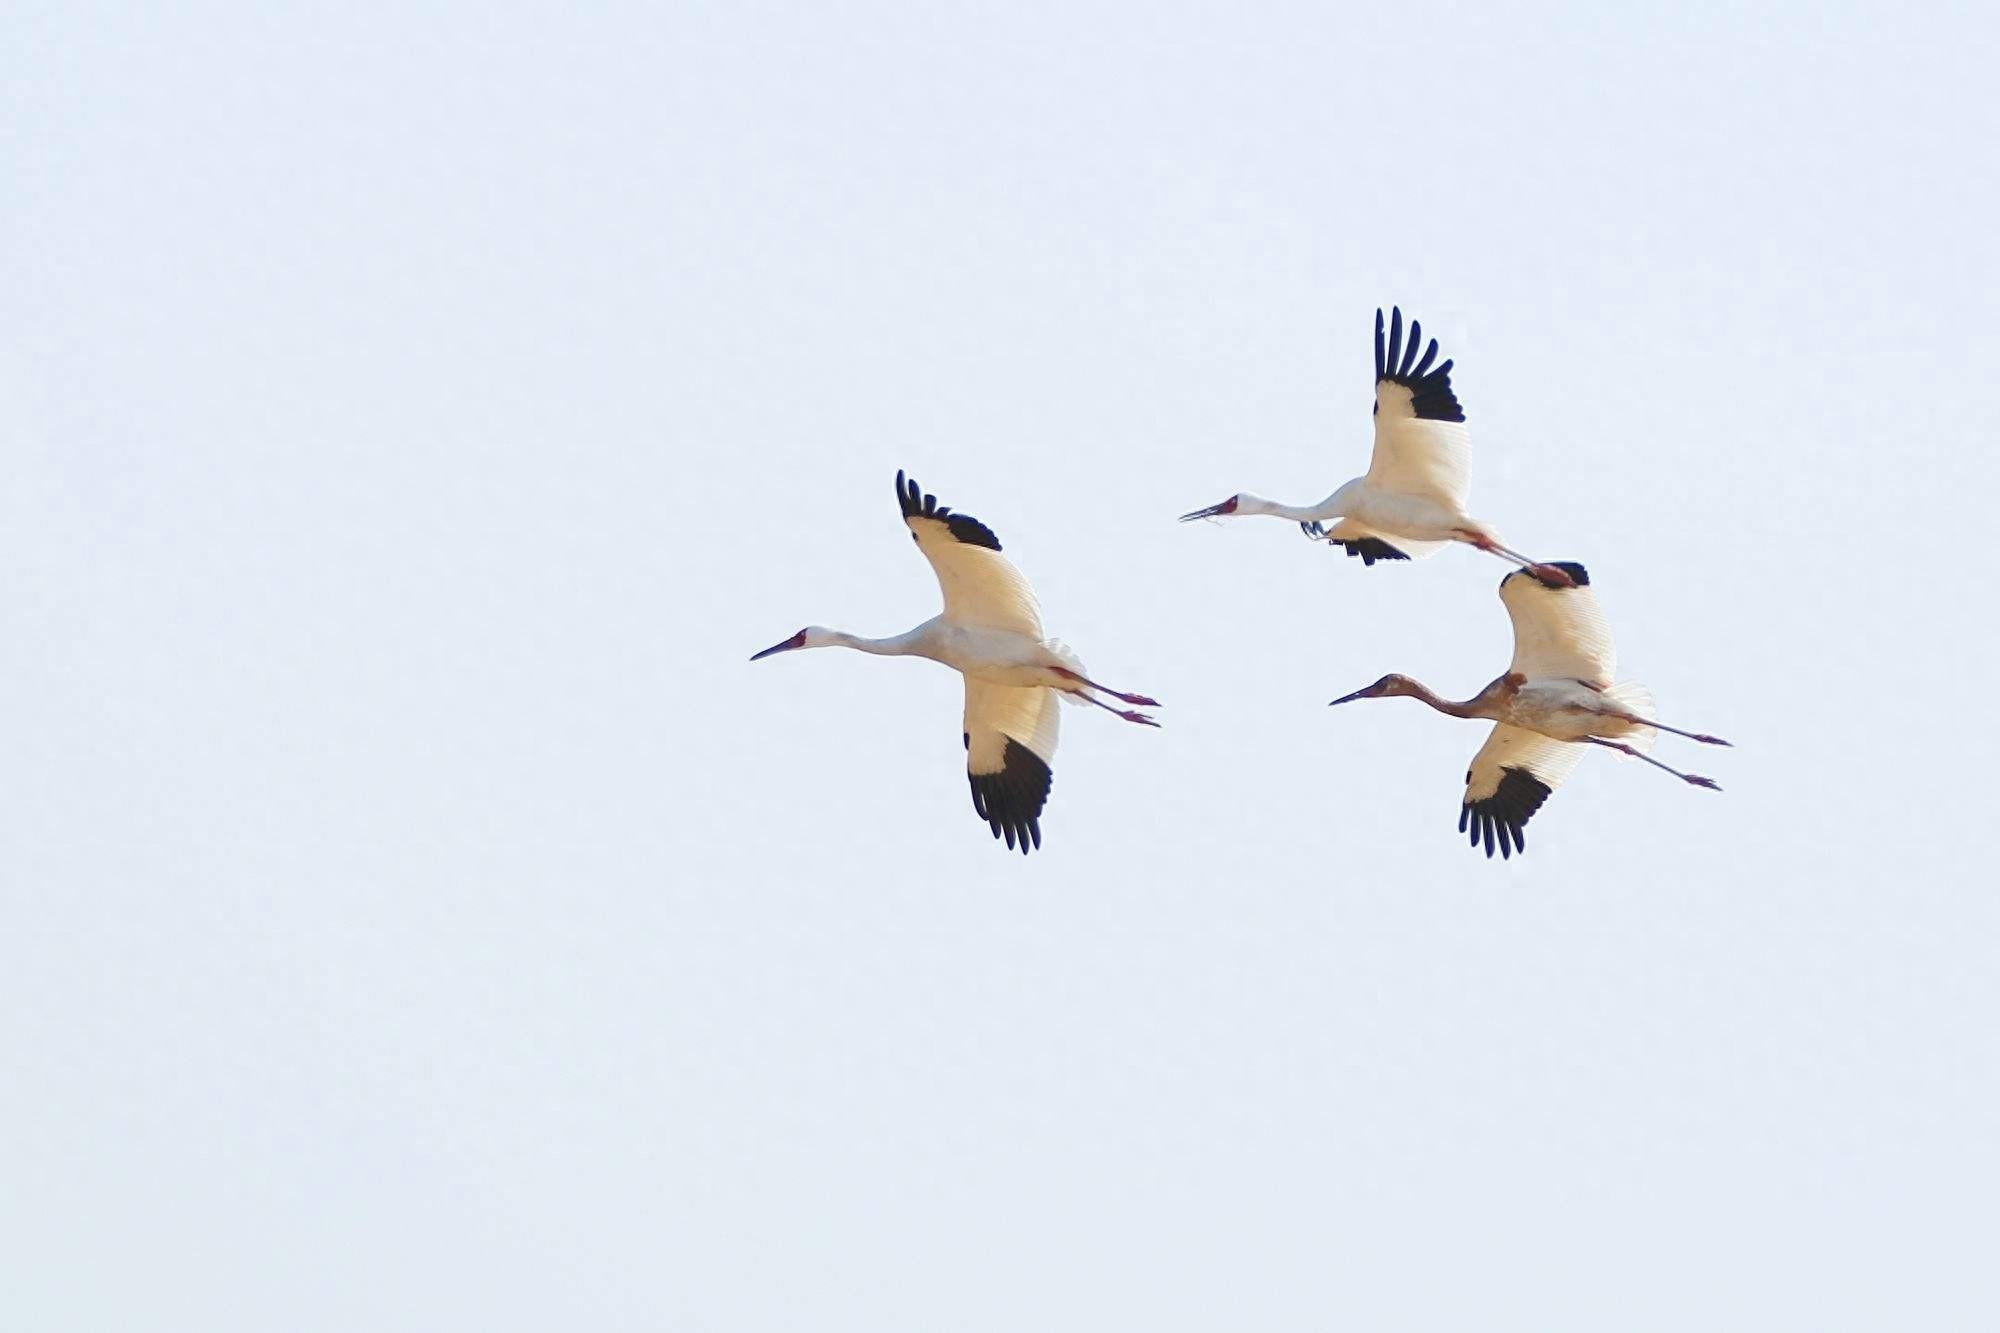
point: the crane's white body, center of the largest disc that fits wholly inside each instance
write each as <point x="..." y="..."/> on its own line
<point x="990" y="632"/>
<point x="1412" y="500"/>
<point x="995" y="656"/>
<point x="1419" y="477"/>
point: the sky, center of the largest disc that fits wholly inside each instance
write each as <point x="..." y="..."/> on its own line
<point x="416" y="913"/>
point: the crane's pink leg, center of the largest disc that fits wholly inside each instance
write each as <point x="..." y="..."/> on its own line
<point x="1132" y="716"/>
<point x="1548" y="574"/>
<point x="1691" y="735"/>
<point x="1139" y="699"/>
<point x="1696" y="778"/>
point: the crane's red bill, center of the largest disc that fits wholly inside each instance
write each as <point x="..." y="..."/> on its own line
<point x="796" y="641"/>
<point x="1213" y="511"/>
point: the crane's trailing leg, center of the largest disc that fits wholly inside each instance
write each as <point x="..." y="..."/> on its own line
<point x="1691" y="735"/>
<point x="1696" y="778"/>
<point x="1130" y="716"/>
<point x="1138" y="699"/>
<point x="1549" y="574"/>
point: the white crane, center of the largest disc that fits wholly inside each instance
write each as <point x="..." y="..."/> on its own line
<point x="1556" y="697"/>
<point x="991" y="633"/>
<point x="1411" y="502"/>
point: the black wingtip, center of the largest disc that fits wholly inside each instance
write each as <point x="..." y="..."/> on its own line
<point x="1498" y="821"/>
<point x="1399" y="362"/>
<point x="1422" y="367"/>
<point x="1011" y="800"/>
<point x="915" y="503"/>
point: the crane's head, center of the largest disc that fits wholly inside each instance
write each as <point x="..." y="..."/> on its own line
<point x="1387" y="687"/>
<point x="1227" y="507"/>
<point x="812" y="636"/>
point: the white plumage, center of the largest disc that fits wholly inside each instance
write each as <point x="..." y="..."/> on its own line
<point x="982" y="589"/>
<point x="1427" y="458"/>
<point x="1411" y="501"/>
<point x="1558" y="632"/>
<point x="990" y="632"/>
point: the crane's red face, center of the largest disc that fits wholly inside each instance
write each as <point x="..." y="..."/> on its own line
<point x="1214" y="511"/>
<point x="796" y="641"/>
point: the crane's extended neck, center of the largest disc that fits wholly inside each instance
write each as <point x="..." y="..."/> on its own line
<point x="1337" y="505"/>
<point x="1468" y="708"/>
<point x="1490" y="703"/>
<point x="1334" y="506"/>
<point x="1257" y="504"/>
<point x="911" y="644"/>
<point x="907" y="644"/>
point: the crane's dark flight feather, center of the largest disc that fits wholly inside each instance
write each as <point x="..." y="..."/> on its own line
<point x="1499" y="819"/>
<point x="1371" y="549"/>
<point x="1011" y="800"/>
<point x="1431" y="398"/>
<point x="911" y="499"/>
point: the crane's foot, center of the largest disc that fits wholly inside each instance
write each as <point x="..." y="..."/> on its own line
<point x="1552" y="577"/>
<point x="1138" y="717"/>
<point x="1315" y="531"/>
<point x="1700" y="781"/>
<point x="1712" y="740"/>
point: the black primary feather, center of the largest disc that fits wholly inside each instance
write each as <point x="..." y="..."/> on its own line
<point x="1431" y="397"/>
<point x="1499" y="819"/>
<point x="911" y="499"/>
<point x="1011" y="800"/>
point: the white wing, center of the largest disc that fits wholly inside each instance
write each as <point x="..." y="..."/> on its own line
<point x="1422" y="448"/>
<point x="1010" y="741"/>
<point x="1510" y="777"/>
<point x="981" y="586"/>
<point x="1559" y="632"/>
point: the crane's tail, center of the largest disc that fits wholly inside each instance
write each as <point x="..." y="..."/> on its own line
<point x="1637" y="700"/>
<point x="1067" y="656"/>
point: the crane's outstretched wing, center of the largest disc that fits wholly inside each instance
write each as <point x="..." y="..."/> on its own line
<point x="1010" y="739"/>
<point x="1510" y="777"/>
<point x="981" y="586"/>
<point x="1559" y="632"/>
<point x="1422" y="448"/>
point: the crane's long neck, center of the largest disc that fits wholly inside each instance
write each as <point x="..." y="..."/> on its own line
<point x="907" y="644"/>
<point x="1485" y="704"/>
<point x="1252" y="504"/>
<point x="1334" y="506"/>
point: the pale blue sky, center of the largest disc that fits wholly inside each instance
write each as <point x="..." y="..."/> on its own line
<point x="415" y="913"/>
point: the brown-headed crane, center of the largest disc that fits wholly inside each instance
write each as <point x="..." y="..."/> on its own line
<point x="1557" y="696"/>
